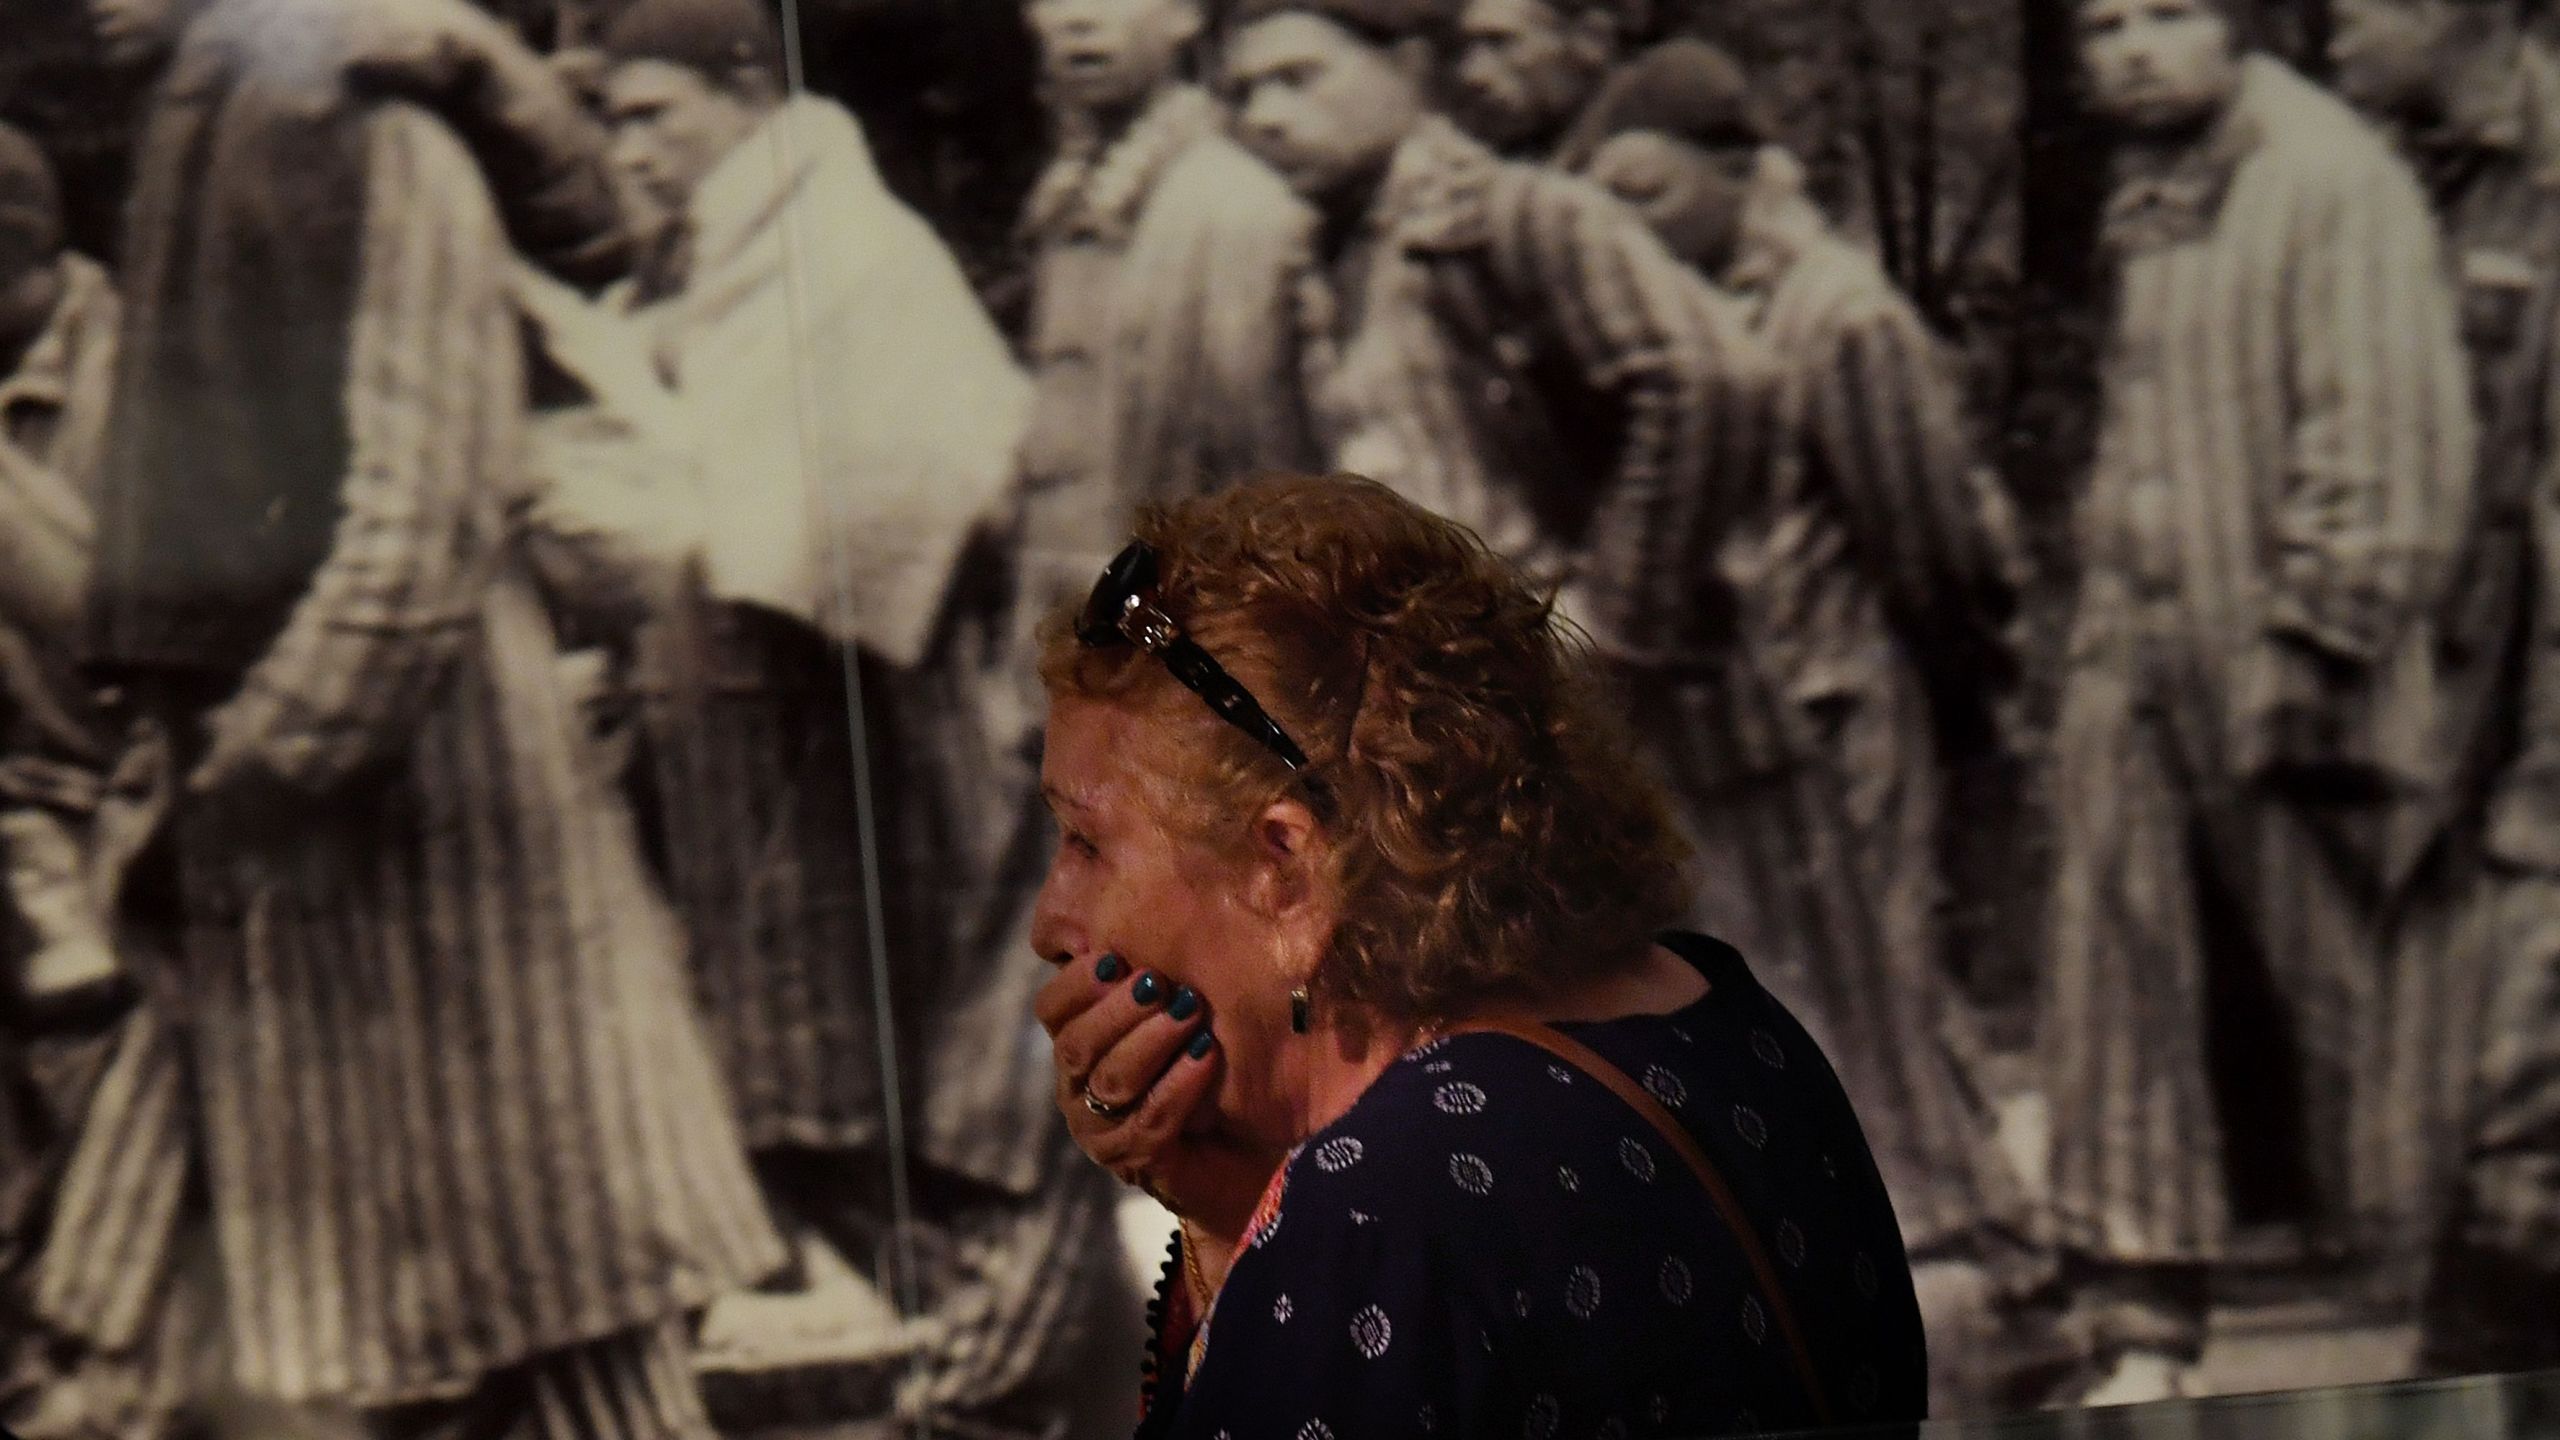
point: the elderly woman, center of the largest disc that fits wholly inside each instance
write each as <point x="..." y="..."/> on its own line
<point x="1355" y="924"/>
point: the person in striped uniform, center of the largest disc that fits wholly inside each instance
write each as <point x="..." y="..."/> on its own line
<point x="58" y="319"/>
<point x="811" y="791"/>
<point x="1497" y="341"/>
<point x="1885" y="567"/>
<point x="461" y="1155"/>
<point x="2475" y="99"/>
<point x="60" y="982"/>
<point x="2248" y="752"/>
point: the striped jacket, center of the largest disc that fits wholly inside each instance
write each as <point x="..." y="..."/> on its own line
<point x="1162" y="339"/>
<point x="454" y="1108"/>
<point x="2495" y="179"/>
<point x="2285" y="448"/>
<point x="1527" y="359"/>
<point x="53" y="420"/>
<point x="1884" y="548"/>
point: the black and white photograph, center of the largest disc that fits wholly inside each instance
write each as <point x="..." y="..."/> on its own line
<point x="1318" y="718"/>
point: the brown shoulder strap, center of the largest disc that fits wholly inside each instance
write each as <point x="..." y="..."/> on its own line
<point x="1583" y="1058"/>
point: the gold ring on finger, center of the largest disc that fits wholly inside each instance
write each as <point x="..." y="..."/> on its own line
<point x="1102" y="1107"/>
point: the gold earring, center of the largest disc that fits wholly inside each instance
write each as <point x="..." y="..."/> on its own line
<point x="1298" y="1005"/>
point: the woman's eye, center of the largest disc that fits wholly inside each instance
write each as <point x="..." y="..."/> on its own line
<point x="1081" y="844"/>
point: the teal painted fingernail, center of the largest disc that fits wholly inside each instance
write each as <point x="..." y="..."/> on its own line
<point x="1148" y="990"/>
<point x="1201" y="1043"/>
<point x="1107" y="969"/>
<point x="1186" y="1003"/>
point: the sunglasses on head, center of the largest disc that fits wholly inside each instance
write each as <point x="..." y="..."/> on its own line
<point x="1123" y="610"/>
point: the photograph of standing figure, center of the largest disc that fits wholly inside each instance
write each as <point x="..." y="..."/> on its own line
<point x="540" y="542"/>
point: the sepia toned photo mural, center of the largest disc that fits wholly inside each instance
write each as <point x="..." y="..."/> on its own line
<point x="525" y="527"/>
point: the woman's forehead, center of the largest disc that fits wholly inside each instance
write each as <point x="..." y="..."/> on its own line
<point x="1088" y="762"/>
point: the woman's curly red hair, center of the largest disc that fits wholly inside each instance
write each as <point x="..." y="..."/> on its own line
<point x="1492" y="834"/>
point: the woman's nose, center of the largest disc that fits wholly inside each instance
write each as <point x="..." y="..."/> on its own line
<point x="1055" y="938"/>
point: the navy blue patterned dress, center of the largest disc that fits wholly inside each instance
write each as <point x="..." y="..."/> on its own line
<point x="1491" y="1244"/>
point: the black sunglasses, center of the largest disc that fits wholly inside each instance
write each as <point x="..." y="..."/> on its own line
<point x="1123" y="611"/>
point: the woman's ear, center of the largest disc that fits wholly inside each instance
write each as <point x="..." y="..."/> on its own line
<point x="1287" y="865"/>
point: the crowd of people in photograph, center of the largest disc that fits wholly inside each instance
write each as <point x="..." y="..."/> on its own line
<point x="518" y="733"/>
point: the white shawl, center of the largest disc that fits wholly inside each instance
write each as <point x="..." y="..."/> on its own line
<point x="855" y="410"/>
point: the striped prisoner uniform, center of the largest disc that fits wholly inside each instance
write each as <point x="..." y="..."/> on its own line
<point x="53" y="408"/>
<point x="751" y="782"/>
<point x="2283" y="473"/>
<point x="1876" y="545"/>
<point x="454" y="1118"/>
<point x="2479" y="960"/>
<point x="1525" y="357"/>
<point x="1515" y="350"/>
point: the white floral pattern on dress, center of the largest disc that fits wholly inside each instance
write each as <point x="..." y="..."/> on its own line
<point x="1637" y="1159"/>
<point x="1766" y="1046"/>
<point x="1582" y="1292"/>
<point x="1755" y="1321"/>
<point x="1472" y="1174"/>
<point x="1315" y="1430"/>
<point x="1282" y="1309"/>
<point x="1339" y="1154"/>
<point x="1791" y="1243"/>
<point x="1571" y="1181"/>
<point x="1371" y="1333"/>
<point x="1748" y="1124"/>
<point x="1427" y="1418"/>
<point x="1559" y="1074"/>
<point x="1520" y="1303"/>
<point x="1459" y="1098"/>
<point x="1545" y="1414"/>
<point x="1666" y="1087"/>
<point x="1677" y="1283"/>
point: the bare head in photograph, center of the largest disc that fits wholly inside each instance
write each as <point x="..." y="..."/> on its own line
<point x="1522" y="70"/>
<point x="136" y="32"/>
<point x="687" y="82"/>
<point x="1677" y="137"/>
<point x="30" y="242"/>
<point x="1325" y="90"/>
<point x="2159" y="68"/>
<point x="2406" y="59"/>
<point x="1104" y="56"/>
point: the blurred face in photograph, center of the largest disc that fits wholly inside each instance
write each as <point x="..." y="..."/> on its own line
<point x="2157" y="66"/>
<point x="1111" y="54"/>
<point x="671" y="126"/>
<point x="30" y="289"/>
<point x="133" y="31"/>
<point x="1693" y="195"/>
<point x="1524" y="69"/>
<point x="1320" y="105"/>
<point x="2387" y="54"/>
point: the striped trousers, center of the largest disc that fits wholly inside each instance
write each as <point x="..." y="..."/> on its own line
<point x="2222" y="987"/>
<point x="130" y="1274"/>
<point x="1828" y="883"/>
<point x="638" y="1385"/>
<point x="2496" y="1267"/>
